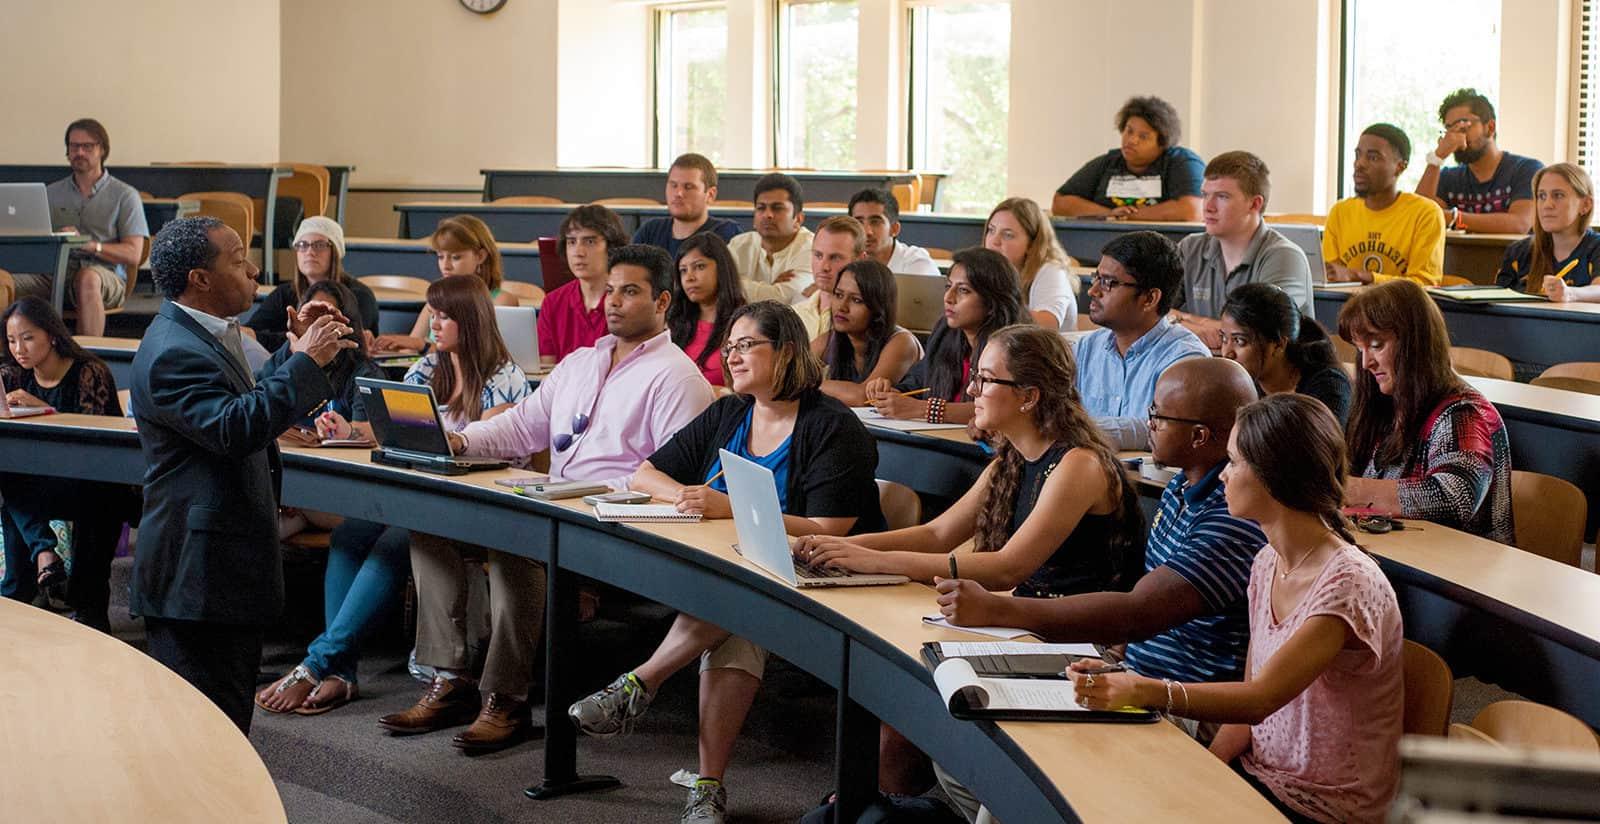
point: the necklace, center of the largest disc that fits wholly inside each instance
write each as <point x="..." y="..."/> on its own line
<point x="1284" y="575"/>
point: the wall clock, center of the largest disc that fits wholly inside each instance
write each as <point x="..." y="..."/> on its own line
<point x="483" y="6"/>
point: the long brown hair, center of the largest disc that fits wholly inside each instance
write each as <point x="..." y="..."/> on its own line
<point x="1043" y="245"/>
<point x="1382" y="426"/>
<point x="1039" y="359"/>
<point x="1541" y="257"/>
<point x="465" y="232"/>
<point x="1293" y="444"/>
<point x="480" y="350"/>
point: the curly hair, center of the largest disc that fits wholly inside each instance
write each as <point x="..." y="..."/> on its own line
<point x="180" y="246"/>
<point x="1158" y="113"/>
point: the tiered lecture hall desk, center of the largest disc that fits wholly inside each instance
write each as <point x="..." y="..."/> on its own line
<point x="585" y="185"/>
<point x="96" y="730"/>
<point x="41" y="254"/>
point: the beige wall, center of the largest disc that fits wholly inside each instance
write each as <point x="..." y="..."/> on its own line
<point x="157" y="94"/>
<point x="603" y="73"/>
<point x="419" y="91"/>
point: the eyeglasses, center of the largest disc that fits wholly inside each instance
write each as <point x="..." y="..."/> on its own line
<point x="742" y="346"/>
<point x="978" y="382"/>
<point x="318" y="246"/>
<point x="580" y="424"/>
<point x="82" y="147"/>
<point x="1153" y="417"/>
<point x="1108" y="283"/>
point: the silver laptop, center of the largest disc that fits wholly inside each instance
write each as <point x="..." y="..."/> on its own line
<point x="517" y="328"/>
<point x="919" y="301"/>
<point x="758" y="517"/>
<point x="24" y="209"/>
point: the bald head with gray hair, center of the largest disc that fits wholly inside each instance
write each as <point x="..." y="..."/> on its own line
<point x="180" y="246"/>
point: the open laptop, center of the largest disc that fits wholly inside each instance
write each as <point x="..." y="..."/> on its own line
<point x="758" y="517"/>
<point x="919" y="301"/>
<point x="24" y="209"/>
<point x="553" y="265"/>
<point x="518" y="331"/>
<point x="410" y="433"/>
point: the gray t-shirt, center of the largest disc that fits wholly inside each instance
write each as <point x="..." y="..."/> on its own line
<point x="1270" y="258"/>
<point x="111" y="212"/>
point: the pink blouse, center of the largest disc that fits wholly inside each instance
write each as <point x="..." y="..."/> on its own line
<point x="712" y="367"/>
<point x="1332" y="753"/>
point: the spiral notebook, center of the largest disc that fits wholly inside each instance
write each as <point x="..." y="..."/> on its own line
<point x="642" y="513"/>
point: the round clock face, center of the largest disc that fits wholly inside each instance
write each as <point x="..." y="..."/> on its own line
<point x="483" y="6"/>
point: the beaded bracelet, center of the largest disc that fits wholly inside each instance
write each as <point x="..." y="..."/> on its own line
<point x="936" y="410"/>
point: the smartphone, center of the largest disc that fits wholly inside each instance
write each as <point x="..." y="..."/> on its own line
<point x="626" y="496"/>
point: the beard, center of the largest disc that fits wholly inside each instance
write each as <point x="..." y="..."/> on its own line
<point x="1469" y="154"/>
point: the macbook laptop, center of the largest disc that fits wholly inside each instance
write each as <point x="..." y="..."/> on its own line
<point x="410" y="433"/>
<point x="518" y="331"/>
<point x="553" y="265"/>
<point x="24" y="209"/>
<point x="919" y="301"/>
<point x="758" y="518"/>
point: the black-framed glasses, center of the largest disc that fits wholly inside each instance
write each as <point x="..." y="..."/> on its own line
<point x="1152" y="416"/>
<point x="580" y="424"/>
<point x="318" y="246"/>
<point x="742" y="346"/>
<point x="978" y="382"/>
<point x="1107" y="283"/>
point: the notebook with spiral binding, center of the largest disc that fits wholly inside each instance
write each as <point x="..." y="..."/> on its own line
<point x="642" y="514"/>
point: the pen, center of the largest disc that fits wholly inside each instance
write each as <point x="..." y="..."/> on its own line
<point x="1102" y="670"/>
<point x="953" y="574"/>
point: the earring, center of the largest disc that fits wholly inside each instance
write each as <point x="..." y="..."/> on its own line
<point x="1027" y="407"/>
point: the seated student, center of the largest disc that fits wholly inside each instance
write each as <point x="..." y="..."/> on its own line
<point x="1283" y="350"/>
<point x="838" y="241"/>
<point x="774" y="258"/>
<point x="1383" y="234"/>
<point x="1489" y="190"/>
<point x="1150" y="177"/>
<point x="865" y="342"/>
<point x="982" y="299"/>
<point x="705" y="294"/>
<point x="1019" y="230"/>
<point x="571" y="316"/>
<point x="1133" y="290"/>
<point x="691" y="188"/>
<point x="822" y="459"/>
<point x="318" y="253"/>
<point x="1315" y="724"/>
<point x="1237" y="247"/>
<point x="1187" y="618"/>
<point x="1558" y="260"/>
<point x="1423" y="443"/>
<point x="879" y="214"/>
<point x="43" y="366"/>
<point x="599" y="413"/>
<point x="465" y="247"/>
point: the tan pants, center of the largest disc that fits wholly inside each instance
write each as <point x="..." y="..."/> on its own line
<point x="112" y="289"/>
<point x="735" y="653"/>
<point x="516" y="611"/>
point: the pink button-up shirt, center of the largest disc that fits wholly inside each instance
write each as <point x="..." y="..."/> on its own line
<point x="633" y="409"/>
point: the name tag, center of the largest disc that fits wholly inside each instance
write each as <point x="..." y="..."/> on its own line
<point x="1128" y="190"/>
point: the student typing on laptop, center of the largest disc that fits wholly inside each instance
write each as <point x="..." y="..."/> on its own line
<point x="822" y="460"/>
<point x="600" y="413"/>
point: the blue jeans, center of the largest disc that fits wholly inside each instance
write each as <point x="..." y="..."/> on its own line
<point x="367" y="568"/>
<point x="97" y="511"/>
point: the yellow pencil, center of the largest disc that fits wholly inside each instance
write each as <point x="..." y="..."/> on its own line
<point x="913" y="393"/>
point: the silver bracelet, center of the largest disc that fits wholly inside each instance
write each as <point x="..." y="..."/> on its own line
<point x="1185" y="699"/>
<point x="1168" y="683"/>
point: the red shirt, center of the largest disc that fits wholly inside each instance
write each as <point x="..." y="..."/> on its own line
<point x="711" y="368"/>
<point x="565" y="325"/>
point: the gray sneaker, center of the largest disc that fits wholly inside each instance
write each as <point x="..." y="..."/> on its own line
<point x="708" y="804"/>
<point x="611" y="711"/>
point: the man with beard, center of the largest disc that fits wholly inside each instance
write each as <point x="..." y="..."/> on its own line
<point x="1489" y="190"/>
<point x="691" y="189"/>
<point x="774" y="258"/>
<point x="1382" y="234"/>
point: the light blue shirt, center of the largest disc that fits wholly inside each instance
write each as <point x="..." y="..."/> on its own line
<point x="1117" y="389"/>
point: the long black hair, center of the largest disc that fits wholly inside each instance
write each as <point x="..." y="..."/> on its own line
<point x="995" y="281"/>
<point x="878" y="292"/>
<point x="41" y="314"/>
<point x="1269" y="313"/>
<point x="683" y="315"/>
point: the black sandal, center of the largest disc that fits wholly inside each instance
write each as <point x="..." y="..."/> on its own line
<point x="53" y="575"/>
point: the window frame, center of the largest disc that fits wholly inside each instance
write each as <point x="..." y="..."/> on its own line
<point x="780" y="86"/>
<point x="661" y="124"/>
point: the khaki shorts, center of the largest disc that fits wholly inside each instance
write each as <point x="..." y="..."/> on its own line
<point x="112" y="288"/>
<point x="735" y="653"/>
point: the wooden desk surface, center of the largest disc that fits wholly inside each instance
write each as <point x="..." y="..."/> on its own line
<point x="1564" y="402"/>
<point x="400" y="244"/>
<point x="1447" y="304"/>
<point x="104" y="344"/>
<point x="98" y="731"/>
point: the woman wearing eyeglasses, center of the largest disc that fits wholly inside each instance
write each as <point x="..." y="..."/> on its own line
<point x="822" y="460"/>
<point x="865" y="342"/>
<point x="318" y="251"/>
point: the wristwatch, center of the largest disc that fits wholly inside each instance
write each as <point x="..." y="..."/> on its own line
<point x="1435" y="160"/>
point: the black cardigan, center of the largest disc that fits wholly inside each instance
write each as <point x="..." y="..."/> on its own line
<point x="831" y="457"/>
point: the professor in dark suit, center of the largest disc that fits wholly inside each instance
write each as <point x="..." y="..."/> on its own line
<point x="207" y="576"/>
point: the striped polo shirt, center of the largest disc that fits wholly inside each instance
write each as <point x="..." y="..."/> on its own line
<point x="1194" y="536"/>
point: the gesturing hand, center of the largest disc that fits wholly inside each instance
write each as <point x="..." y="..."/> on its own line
<point x="301" y="320"/>
<point x="323" y="340"/>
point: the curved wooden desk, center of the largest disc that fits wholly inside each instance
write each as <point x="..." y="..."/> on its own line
<point x="864" y="642"/>
<point x="98" y="731"/>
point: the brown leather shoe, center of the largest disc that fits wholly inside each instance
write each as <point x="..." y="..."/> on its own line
<point x="449" y="702"/>
<point x="504" y="721"/>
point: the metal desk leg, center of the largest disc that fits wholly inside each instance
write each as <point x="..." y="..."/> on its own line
<point x="856" y="763"/>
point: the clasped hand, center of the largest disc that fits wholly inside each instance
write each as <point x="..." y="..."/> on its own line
<point x="322" y="338"/>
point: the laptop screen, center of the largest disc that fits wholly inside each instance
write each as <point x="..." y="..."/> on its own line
<point x="403" y="416"/>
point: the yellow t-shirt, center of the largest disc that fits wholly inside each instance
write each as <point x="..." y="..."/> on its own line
<point x="1404" y="240"/>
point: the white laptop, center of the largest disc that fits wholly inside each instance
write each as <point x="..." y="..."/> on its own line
<point x="758" y="517"/>
<point x="24" y="209"/>
<point x="518" y="329"/>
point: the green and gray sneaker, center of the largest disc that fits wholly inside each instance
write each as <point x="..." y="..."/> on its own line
<point x="708" y="803"/>
<point x="612" y="710"/>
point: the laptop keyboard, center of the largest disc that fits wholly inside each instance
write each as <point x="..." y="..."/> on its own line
<point x="808" y="571"/>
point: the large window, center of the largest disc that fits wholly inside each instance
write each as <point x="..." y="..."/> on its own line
<point x="817" y="84"/>
<point x="1402" y="59"/>
<point x="1588" y="96"/>
<point x="960" y="97"/>
<point x="691" y="69"/>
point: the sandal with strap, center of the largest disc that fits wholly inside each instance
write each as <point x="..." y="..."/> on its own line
<point x="333" y="693"/>
<point x="297" y="676"/>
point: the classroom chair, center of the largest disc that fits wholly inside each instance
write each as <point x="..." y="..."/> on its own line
<point x="1302" y="219"/>
<point x="1548" y="514"/>
<point x="527" y="293"/>
<point x="1586" y="387"/>
<point x="900" y="504"/>
<point x="1467" y="732"/>
<point x="232" y="208"/>
<point x="1481" y="363"/>
<point x="399" y="283"/>
<point x="529" y="200"/>
<point x="8" y="288"/>
<point x="826" y="204"/>
<point x="1586" y="371"/>
<point x="626" y="201"/>
<point x="1430" y="691"/>
<point x="1526" y="724"/>
<point x="1345" y="350"/>
<point x="937" y="253"/>
<point x="125" y="400"/>
<point x="1454" y="280"/>
<point x="308" y="183"/>
<point x="734" y="204"/>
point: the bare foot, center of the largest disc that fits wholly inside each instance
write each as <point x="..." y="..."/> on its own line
<point x="288" y="693"/>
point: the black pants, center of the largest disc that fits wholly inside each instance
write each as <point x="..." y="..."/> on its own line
<point x="97" y="511"/>
<point x="1294" y="816"/>
<point x="220" y="660"/>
